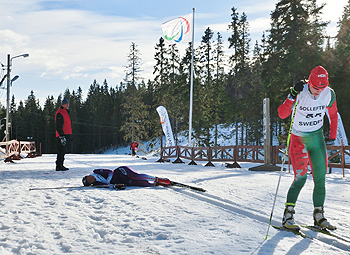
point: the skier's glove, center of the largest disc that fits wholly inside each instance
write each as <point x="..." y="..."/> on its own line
<point x="294" y="91"/>
<point x="63" y="140"/>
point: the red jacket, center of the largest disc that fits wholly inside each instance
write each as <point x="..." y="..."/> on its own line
<point x="63" y="122"/>
<point x="134" y="146"/>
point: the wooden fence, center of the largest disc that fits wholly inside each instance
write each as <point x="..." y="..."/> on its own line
<point x="12" y="150"/>
<point x="246" y="153"/>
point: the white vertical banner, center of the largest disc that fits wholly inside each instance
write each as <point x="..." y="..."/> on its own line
<point x="264" y="118"/>
<point x="266" y="130"/>
<point x="340" y="132"/>
<point x="164" y="120"/>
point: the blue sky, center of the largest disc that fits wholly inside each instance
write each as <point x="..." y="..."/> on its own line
<point x="73" y="42"/>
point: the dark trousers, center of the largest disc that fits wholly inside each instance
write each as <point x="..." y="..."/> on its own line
<point x="133" y="152"/>
<point x="61" y="151"/>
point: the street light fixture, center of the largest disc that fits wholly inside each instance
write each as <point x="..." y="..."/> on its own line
<point x="14" y="78"/>
<point x="9" y="61"/>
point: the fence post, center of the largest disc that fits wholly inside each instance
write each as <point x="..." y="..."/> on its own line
<point x="209" y="157"/>
<point x="192" y="157"/>
<point x="235" y="156"/>
<point x="161" y="160"/>
<point x="178" y="160"/>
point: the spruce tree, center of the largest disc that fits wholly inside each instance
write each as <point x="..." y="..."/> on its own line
<point x="135" y="112"/>
<point x="294" y="48"/>
<point x="340" y="77"/>
<point x="220" y="98"/>
<point x="239" y="75"/>
<point x="204" y="118"/>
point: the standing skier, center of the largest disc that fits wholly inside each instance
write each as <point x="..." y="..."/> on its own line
<point x="123" y="175"/>
<point x="307" y="145"/>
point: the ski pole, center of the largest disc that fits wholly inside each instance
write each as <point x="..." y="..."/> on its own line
<point x="116" y="186"/>
<point x="172" y="183"/>
<point x="283" y="161"/>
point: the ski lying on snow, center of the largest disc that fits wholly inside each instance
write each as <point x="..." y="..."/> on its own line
<point x="114" y="186"/>
<point x="296" y="232"/>
<point x="172" y="183"/>
<point x="325" y="231"/>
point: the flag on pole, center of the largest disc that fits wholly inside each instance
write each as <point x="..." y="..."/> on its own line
<point x="164" y="120"/>
<point x="181" y="30"/>
<point x="178" y="30"/>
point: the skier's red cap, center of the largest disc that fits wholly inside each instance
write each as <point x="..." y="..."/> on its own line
<point x="318" y="78"/>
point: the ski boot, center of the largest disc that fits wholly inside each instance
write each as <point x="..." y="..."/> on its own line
<point x="288" y="220"/>
<point x="161" y="181"/>
<point x="320" y="221"/>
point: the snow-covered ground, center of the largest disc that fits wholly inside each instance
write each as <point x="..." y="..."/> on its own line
<point x="230" y="218"/>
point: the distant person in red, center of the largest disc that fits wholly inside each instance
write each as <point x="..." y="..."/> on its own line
<point x="134" y="146"/>
<point x="63" y="133"/>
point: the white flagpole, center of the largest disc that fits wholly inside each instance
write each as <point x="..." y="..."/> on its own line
<point x="191" y="89"/>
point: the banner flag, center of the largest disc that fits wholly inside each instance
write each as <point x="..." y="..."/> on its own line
<point x="164" y="120"/>
<point x="178" y="30"/>
<point x="340" y="132"/>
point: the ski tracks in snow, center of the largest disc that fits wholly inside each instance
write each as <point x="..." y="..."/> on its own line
<point x="235" y="208"/>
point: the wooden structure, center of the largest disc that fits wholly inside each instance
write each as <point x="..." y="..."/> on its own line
<point x="244" y="153"/>
<point x="13" y="149"/>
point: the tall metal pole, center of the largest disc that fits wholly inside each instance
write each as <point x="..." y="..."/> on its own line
<point x="8" y="91"/>
<point x="8" y="97"/>
<point x="191" y="89"/>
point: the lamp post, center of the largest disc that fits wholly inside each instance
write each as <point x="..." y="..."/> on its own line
<point x="9" y="59"/>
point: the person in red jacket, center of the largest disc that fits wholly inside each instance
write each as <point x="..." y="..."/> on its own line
<point x="134" y="147"/>
<point x="307" y="144"/>
<point x="63" y="133"/>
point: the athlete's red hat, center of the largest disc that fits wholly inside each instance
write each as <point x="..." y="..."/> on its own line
<point x="318" y="78"/>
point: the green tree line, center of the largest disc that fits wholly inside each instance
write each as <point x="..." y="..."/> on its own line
<point x="228" y="88"/>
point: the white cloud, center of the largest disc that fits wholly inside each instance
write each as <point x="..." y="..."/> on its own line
<point x="65" y="43"/>
<point x="74" y="47"/>
<point x="116" y="72"/>
<point x="10" y="37"/>
<point x="333" y="9"/>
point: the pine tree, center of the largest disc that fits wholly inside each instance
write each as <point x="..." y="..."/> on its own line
<point x="161" y="71"/>
<point x="294" y="48"/>
<point x="220" y="99"/>
<point x="135" y="111"/>
<point x="161" y="86"/>
<point x="238" y="81"/>
<point x="340" y="77"/>
<point x="33" y="120"/>
<point x="49" y="111"/>
<point x="204" y="118"/>
<point x="183" y="86"/>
